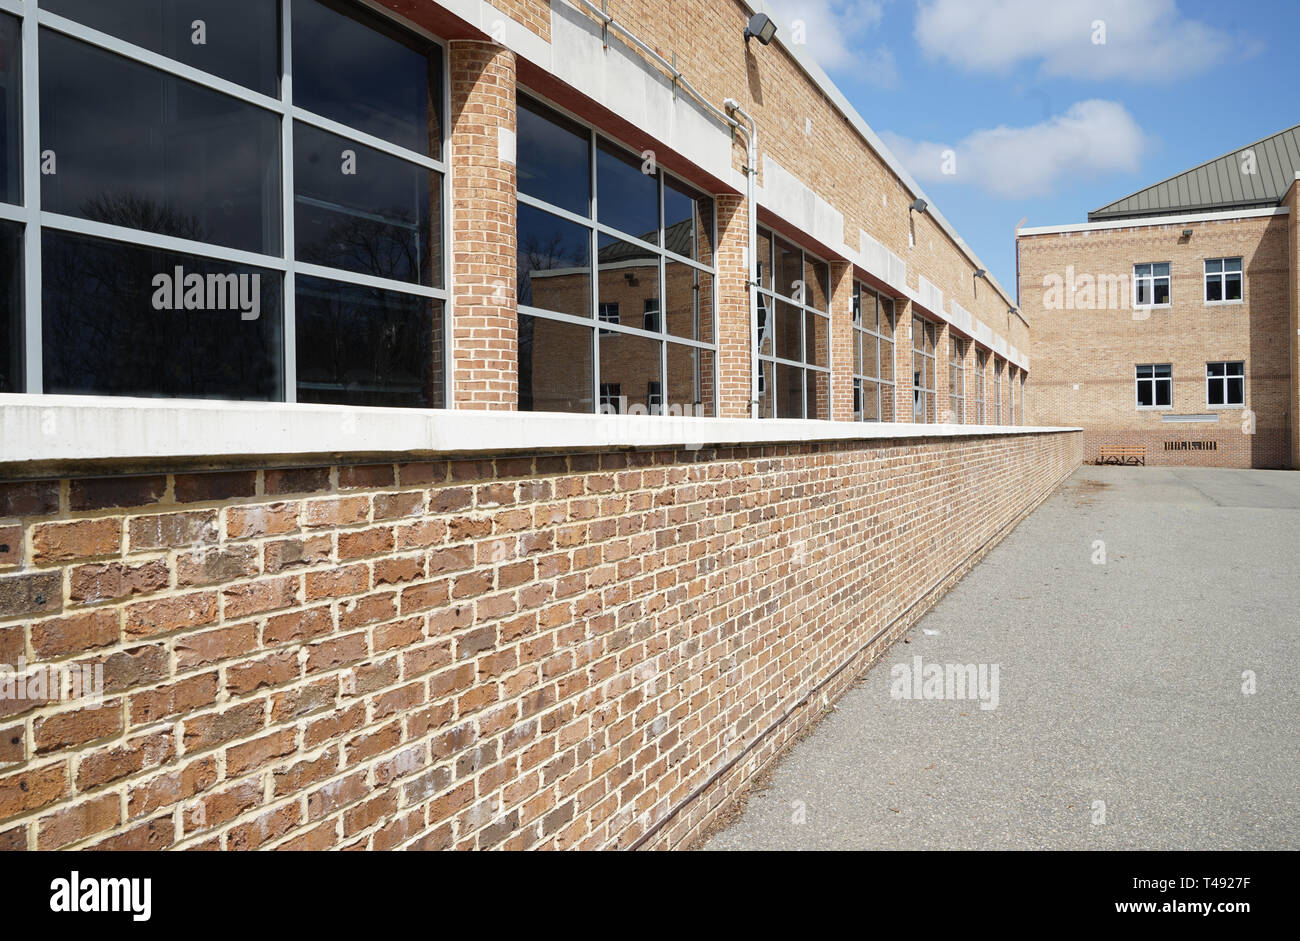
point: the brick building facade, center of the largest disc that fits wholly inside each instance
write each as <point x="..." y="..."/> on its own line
<point x="1169" y="320"/>
<point x="339" y="567"/>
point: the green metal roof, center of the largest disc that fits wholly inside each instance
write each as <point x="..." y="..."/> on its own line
<point x="1218" y="184"/>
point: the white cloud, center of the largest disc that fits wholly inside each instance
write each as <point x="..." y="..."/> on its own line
<point x="1091" y="138"/>
<point x="1144" y="39"/>
<point x="837" y="33"/>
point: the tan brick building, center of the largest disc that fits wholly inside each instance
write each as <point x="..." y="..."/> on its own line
<point x="1169" y="320"/>
<point x="419" y="429"/>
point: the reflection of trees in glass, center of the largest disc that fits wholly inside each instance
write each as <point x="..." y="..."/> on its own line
<point x="386" y="245"/>
<point x="102" y="334"/>
<point x="134" y="211"/>
<point x="542" y="253"/>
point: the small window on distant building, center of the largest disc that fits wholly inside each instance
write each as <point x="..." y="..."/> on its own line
<point x="1225" y="383"/>
<point x="611" y="397"/>
<point x="608" y="314"/>
<point x="1155" y="386"/>
<point x="1151" y="284"/>
<point x="650" y="315"/>
<point x="1222" y="280"/>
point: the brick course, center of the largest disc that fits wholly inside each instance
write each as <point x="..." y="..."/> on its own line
<point x="543" y="652"/>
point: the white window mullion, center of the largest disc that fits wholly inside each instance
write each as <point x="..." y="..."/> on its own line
<point x="288" y="301"/>
<point x="33" y="363"/>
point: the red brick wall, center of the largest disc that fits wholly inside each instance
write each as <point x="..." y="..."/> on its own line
<point x="512" y="652"/>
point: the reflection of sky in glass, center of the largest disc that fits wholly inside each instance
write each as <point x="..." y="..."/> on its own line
<point x="626" y="198"/>
<point x="139" y="148"/>
<point x="547" y="242"/>
<point x="357" y="75"/>
<point x="10" y="109"/>
<point x="241" y="37"/>
<point x="554" y="161"/>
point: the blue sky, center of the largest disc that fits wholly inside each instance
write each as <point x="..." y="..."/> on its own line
<point x="1044" y="121"/>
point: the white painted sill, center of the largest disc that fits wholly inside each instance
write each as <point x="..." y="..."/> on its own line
<point x="56" y="428"/>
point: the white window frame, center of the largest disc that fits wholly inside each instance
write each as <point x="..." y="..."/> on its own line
<point x="922" y="391"/>
<point x="957" y="379"/>
<point x="1150" y="278"/>
<point x="1222" y="276"/>
<point x="981" y="375"/>
<point x="1153" y="379"/>
<point x="1210" y="380"/>
<point x="34" y="220"/>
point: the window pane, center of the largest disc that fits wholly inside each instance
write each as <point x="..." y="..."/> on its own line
<point x="886" y="360"/>
<point x="1142" y="371"/>
<point x="360" y="71"/>
<point x="690" y="302"/>
<point x="137" y="148"/>
<point x="626" y="198"/>
<point x="1232" y="264"/>
<point x="629" y="275"/>
<point x="765" y="267"/>
<point x="688" y="221"/>
<point x="112" y="324"/>
<point x="1142" y="292"/>
<point x="690" y="380"/>
<point x="554" y="270"/>
<point x="1236" y="369"/>
<point x="818" y="385"/>
<point x="1160" y="270"/>
<point x="632" y="363"/>
<point x="871" y="396"/>
<point x="555" y="365"/>
<point x="860" y="342"/>
<point x="11" y="103"/>
<point x="11" y="307"/>
<point x="364" y="346"/>
<point x="789" y="269"/>
<point x="1160" y="291"/>
<point x="766" y="389"/>
<point x="788" y="342"/>
<point x="1214" y="288"/>
<point x="363" y="210"/>
<point x="1216" y="369"/>
<point x="238" y="40"/>
<point x="815" y="346"/>
<point x="1164" y="392"/>
<point x="1214" y="393"/>
<point x="554" y="157"/>
<point x="1236" y="391"/>
<point x="789" y="391"/>
<point x="1163" y="369"/>
<point x="1232" y="284"/>
<point x="765" y="324"/>
<point x="817" y="277"/>
<point x="1213" y="265"/>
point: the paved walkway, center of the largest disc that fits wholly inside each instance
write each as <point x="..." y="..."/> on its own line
<point x="1118" y="682"/>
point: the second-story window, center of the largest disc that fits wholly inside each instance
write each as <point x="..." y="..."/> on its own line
<point x="1222" y="280"/>
<point x="1151" y="284"/>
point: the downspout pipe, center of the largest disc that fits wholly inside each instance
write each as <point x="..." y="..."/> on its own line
<point x="750" y="131"/>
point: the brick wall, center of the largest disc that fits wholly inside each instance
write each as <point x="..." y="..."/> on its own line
<point x="548" y="651"/>
<point x="1084" y="359"/>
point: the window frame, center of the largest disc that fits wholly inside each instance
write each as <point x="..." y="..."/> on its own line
<point x="1151" y="278"/>
<point x="862" y="333"/>
<point x="1153" y="379"/>
<point x="981" y="375"/>
<point x="957" y="378"/>
<point x="596" y="229"/>
<point x="773" y="298"/>
<point x="1223" y="380"/>
<point x="35" y="20"/>
<point x="928" y="396"/>
<point x="1222" y="276"/>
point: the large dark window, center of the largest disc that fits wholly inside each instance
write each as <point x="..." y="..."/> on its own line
<point x="924" y="359"/>
<point x="11" y="286"/>
<point x="1225" y="383"/>
<point x="647" y="275"/>
<point x="167" y="263"/>
<point x="127" y="145"/>
<point x="355" y="69"/>
<point x="237" y="40"/>
<point x="118" y="319"/>
<point x="363" y="346"/>
<point x="363" y="210"/>
<point x="10" y="110"/>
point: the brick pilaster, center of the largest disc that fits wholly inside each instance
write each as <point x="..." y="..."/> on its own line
<point x="734" y="365"/>
<point x="485" y="330"/>
<point x="841" y="340"/>
<point x="903" y="361"/>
